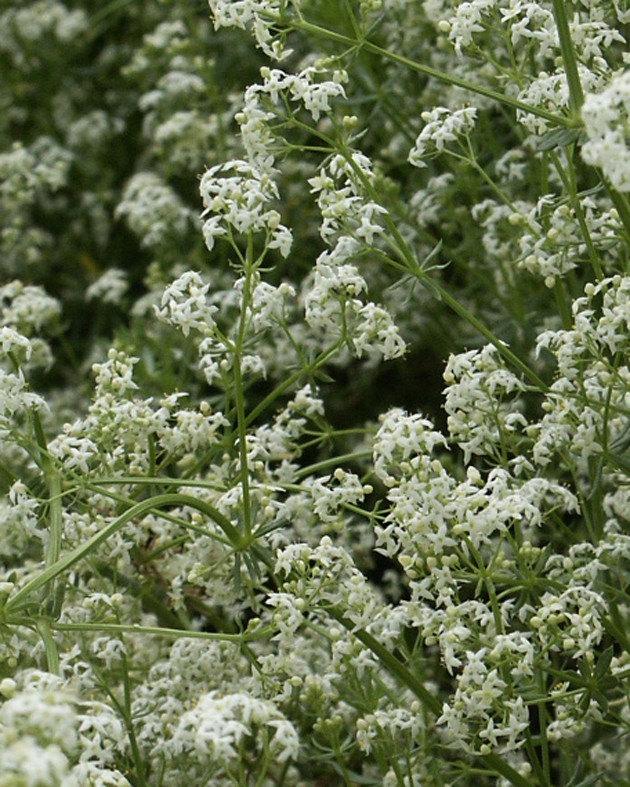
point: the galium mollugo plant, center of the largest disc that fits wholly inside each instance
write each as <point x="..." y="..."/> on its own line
<point x="252" y="550"/>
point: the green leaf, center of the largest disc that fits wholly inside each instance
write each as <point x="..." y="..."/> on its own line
<point x="585" y="670"/>
<point x="601" y="668"/>
<point x="560" y="138"/>
<point x="588" y="781"/>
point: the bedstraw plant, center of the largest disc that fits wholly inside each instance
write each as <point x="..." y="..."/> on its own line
<point x="345" y="496"/>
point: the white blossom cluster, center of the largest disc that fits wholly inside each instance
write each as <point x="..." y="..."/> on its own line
<point x="606" y="116"/>
<point x="442" y="126"/>
<point x="254" y="15"/>
<point x="240" y="203"/>
<point x="346" y="497"/>
<point x="153" y="210"/>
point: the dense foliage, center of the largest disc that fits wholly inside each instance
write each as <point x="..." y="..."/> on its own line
<point x="314" y="393"/>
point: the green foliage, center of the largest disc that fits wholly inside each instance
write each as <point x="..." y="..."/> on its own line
<point x="344" y="498"/>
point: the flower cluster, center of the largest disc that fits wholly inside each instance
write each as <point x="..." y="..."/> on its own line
<point x="345" y="499"/>
<point x="606" y="117"/>
<point x="239" y="203"/>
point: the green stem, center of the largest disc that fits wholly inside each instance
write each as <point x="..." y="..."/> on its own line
<point x="335" y="461"/>
<point x="54" y="595"/>
<point x="169" y="633"/>
<point x="128" y="719"/>
<point x="140" y="509"/>
<point x="290" y="381"/>
<point x="544" y="743"/>
<point x="54" y="488"/>
<point x="410" y="264"/>
<point x="502" y="348"/>
<point x="441" y="76"/>
<point x="569" y="182"/>
<point x="50" y="646"/>
<point x="239" y="390"/>
<point x="391" y="663"/>
<point x="128" y="501"/>
<point x="620" y="201"/>
<point x="242" y="442"/>
<point x="576" y="94"/>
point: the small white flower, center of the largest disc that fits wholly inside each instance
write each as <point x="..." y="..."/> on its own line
<point x="606" y="116"/>
<point x="184" y="305"/>
<point x="109" y="287"/>
<point x="442" y="126"/>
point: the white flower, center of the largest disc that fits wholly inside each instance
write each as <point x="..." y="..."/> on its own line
<point x="481" y="400"/>
<point x="343" y="202"/>
<point x="376" y="332"/>
<point x="606" y="116"/>
<point x="184" y="305"/>
<point x="330" y="493"/>
<point x="442" y="126"/>
<point x="11" y="342"/>
<point x="466" y="21"/>
<point x="401" y="437"/>
<point x="154" y="212"/>
<point x="15" y="397"/>
<point x="240" y="202"/>
<point x="109" y="287"/>
<point x="191" y="429"/>
<point x="256" y="15"/>
<point x="73" y="453"/>
<point x="213" y="730"/>
<point x="44" y="711"/>
<point x="116" y="373"/>
<point x="551" y="92"/>
<point x="27" y="308"/>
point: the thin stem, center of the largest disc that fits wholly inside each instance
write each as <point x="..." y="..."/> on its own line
<point x="290" y="381"/>
<point x="410" y="264"/>
<point x="502" y="348"/>
<point x="50" y="646"/>
<point x="544" y="742"/>
<point x="568" y="180"/>
<point x="54" y="597"/>
<point x="576" y="94"/>
<point x="239" y="390"/>
<point x="441" y="76"/>
<point x="54" y="487"/>
<point x="168" y="633"/>
<point x="335" y="461"/>
<point x="83" y="550"/>
<point x="162" y="481"/>
<point x="620" y="202"/>
<point x="242" y="442"/>
<point x="128" y="718"/>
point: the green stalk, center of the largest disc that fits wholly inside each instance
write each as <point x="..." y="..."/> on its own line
<point x="239" y="390"/>
<point x="128" y="719"/>
<point x="576" y="94"/>
<point x="569" y="182"/>
<point x="620" y="201"/>
<point x="50" y="646"/>
<point x="441" y="76"/>
<point x="502" y="348"/>
<point x="286" y="384"/>
<point x="83" y="550"/>
<point x="410" y="264"/>
<point x="169" y="633"/>
<point x="54" y="488"/>
<point x="335" y="461"/>
<point x="242" y="441"/>
<point x="55" y="511"/>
